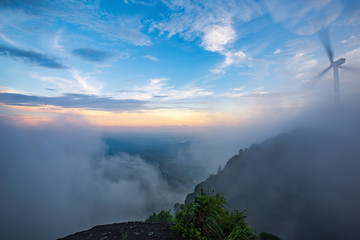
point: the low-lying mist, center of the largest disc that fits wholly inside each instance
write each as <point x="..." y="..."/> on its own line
<point x="302" y="184"/>
<point x="56" y="180"/>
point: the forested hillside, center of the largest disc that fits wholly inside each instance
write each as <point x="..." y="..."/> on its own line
<point x="299" y="185"/>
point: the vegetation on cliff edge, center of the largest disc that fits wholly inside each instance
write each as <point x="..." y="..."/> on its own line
<point x="208" y="219"/>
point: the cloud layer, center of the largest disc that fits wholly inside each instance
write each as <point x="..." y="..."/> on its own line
<point x="92" y="54"/>
<point x="56" y="180"/>
<point x="31" y="57"/>
<point x="73" y="101"/>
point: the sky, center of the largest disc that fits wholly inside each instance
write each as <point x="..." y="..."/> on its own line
<point x="171" y="62"/>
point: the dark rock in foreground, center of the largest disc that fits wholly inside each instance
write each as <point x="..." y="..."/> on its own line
<point x="134" y="231"/>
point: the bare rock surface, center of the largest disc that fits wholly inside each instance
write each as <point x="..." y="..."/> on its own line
<point x="133" y="230"/>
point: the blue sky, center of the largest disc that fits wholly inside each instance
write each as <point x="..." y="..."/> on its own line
<point x="171" y="62"/>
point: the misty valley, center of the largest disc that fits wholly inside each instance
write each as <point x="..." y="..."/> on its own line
<point x="170" y="155"/>
<point x="301" y="183"/>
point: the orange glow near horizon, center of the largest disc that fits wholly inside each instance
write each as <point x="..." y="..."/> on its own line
<point x="31" y="115"/>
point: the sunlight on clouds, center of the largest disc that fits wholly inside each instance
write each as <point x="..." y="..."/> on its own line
<point x="8" y="90"/>
<point x="160" y="117"/>
<point x="157" y="117"/>
<point x="253" y="104"/>
<point x="29" y="120"/>
<point x="32" y="116"/>
<point x="253" y="42"/>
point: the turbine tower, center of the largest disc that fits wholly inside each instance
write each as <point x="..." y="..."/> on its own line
<point x="324" y="37"/>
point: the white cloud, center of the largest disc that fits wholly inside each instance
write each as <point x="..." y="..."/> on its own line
<point x="262" y="94"/>
<point x="234" y="57"/>
<point x="78" y="82"/>
<point x="239" y="88"/>
<point x="301" y="45"/>
<point x="301" y="66"/>
<point x="56" y="41"/>
<point x="231" y="58"/>
<point x="152" y="58"/>
<point x="158" y="89"/>
<point x="8" y="40"/>
<point x="353" y="40"/>
<point x="211" y="21"/>
<point x="58" y="82"/>
<point x="87" y="83"/>
<point x="217" y="71"/>
<point x="217" y="36"/>
<point x="277" y="51"/>
<point x="9" y="90"/>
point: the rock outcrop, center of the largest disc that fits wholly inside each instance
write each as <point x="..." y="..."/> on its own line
<point x="133" y="231"/>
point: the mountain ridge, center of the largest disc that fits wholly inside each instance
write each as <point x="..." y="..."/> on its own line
<point x="298" y="185"/>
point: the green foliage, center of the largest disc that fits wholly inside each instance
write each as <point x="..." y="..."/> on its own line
<point x="207" y="219"/>
<point x="124" y="236"/>
<point x="162" y="217"/>
<point x="267" y="236"/>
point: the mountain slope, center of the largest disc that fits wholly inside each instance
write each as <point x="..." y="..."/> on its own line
<point x="300" y="185"/>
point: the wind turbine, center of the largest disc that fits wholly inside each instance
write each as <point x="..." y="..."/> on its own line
<point x="325" y="40"/>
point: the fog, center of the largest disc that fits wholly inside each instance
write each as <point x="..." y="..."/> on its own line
<point x="303" y="184"/>
<point x="56" y="180"/>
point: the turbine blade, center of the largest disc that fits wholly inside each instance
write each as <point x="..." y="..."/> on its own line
<point x="325" y="40"/>
<point x="352" y="69"/>
<point x="323" y="72"/>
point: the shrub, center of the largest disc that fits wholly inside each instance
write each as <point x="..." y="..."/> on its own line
<point x="162" y="217"/>
<point x="207" y="219"/>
